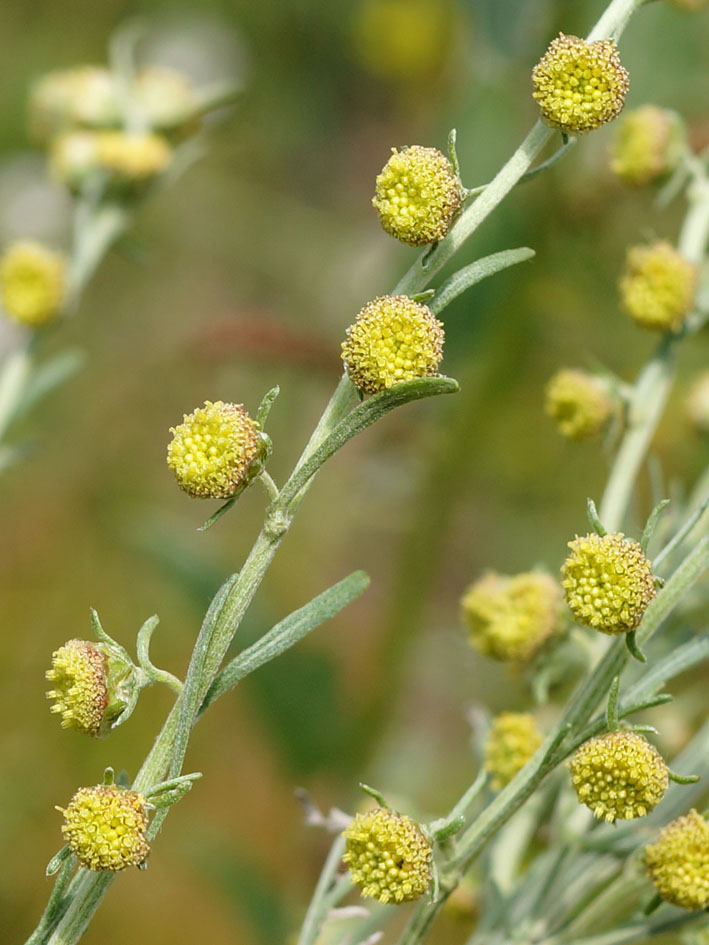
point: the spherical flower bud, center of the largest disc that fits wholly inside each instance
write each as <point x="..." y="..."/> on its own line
<point x="513" y="739"/>
<point x="215" y="451"/>
<point x="417" y="195"/>
<point x="132" y="158"/>
<point x="578" y="404"/>
<point x="166" y="96"/>
<point x="388" y="856"/>
<point x="619" y="776"/>
<point x="648" y="146"/>
<point x="92" y="683"/>
<point x="678" y="864"/>
<point x="657" y="287"/>
<point x="579" y="86"/>
<point x="32" y="283"/>
<point x="105" y="827"/>
<point x="393" y="339"/>
<point x="698" y="402"/>
<point x="608" y="582"/>
<point x="509" y="618"/>
<point x="86" y="95"/>
<point x="73" y="158"/>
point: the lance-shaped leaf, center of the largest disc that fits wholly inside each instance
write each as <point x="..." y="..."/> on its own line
<point x="475" y="272"/>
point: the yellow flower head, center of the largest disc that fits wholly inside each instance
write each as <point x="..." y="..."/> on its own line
<point x="577" y="403"/>
<point x="32" y="283"/>
<point x="134" y="158"/>
<point x="417" y="195"/>
<point x="608" y="582"/>
<point x="579" y="86"/>
<point x="213" y="452"/>
<point x="388" y="856"/>
<point x="166" y="97"/>
<point x="105" y="827"/>
<point x="657" y="287"/>
<point x="648" y="146"/>
<point x="81" y="693"/>
<point x="86" y="95"/>
<point x="509" y="618"/>
<point x="393" y="339"/>
<point x="619" y="776"/>
<point x="678" y="863"/>
<point x="513" y="739"/>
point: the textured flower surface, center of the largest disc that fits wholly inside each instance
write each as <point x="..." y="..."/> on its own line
<point x="579" y="86"/>
<point x="105" y="827"/>
<point x="513" y="739"/>
<point x="32" y="283"/>
<point x="577" y="404"/>
<point x="608" y="582"/>
<point x="388" y="856"/>
<point x="648" y="145"/>
<point x="678" y="863"/>
<point x="393" y="339"/>
<point x="509" y="618"/>
<point x="417" y="195"/>
<point x="80" y="688"/>
<point x="619" y="776"/>
<point x="657" y="287"/>
<point x="212" y="451"/>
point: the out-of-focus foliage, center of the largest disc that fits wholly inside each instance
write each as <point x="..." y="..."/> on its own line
<point x="245" y="276"/>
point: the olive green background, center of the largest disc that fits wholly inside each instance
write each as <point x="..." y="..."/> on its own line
<point x="244" y="275"/>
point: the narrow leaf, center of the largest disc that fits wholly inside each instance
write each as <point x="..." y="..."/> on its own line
<point x="50" y="375"/>
<point x="475" y="272"/>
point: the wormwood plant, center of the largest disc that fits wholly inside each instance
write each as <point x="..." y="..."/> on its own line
<point x="561" y="884"/>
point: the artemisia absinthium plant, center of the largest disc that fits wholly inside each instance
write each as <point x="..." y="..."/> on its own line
<point x="618" y="595"/>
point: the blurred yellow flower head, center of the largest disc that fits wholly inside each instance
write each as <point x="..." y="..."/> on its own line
<point x="657" y="287"/>
<point x="678" y="864"/>
<point x="32" y="283"/>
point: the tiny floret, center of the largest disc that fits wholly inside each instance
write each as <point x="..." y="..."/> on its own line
<point x="619" y="776"/>
<point x="105" y="827"/>
<point x="578" y="404"/>
<point x="388" y="856"/>
<point x="32" y="283"/>
<point x="608" y="582"/>
<point x="579" y="86"/>
<point x="657" y="287"/>
<point x="678" y="864"/>
<point x="393" y="339"/>
<point x="648" y="145"/>
<point x="417" y="195"/>
<point x="513" y="739"/>
<point x="508" y="618"/>
<point x="215" y="450"/>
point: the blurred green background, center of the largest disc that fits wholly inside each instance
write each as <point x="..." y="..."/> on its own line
<point x="245" y="275"/>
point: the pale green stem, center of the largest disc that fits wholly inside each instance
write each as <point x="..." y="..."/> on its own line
<point x="326" y="895"/>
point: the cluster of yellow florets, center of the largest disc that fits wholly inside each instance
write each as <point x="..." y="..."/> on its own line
<point x="511" y="742"/>
<point x="678" y="863"/>
<point x="394" y="339"/>
<point x="648" y="145"/>
<point x="32" y="283"/>
<point x="579" y="86"/>
<point x="80" y="687"/>
<point x="608" y="582"/>
<point x="105" y="827"/>
<point x="126" y="158"/>
<point x="577" y="403"/>
<point x="388" y="856"/>
<point x="417" y="195"/>
<point x="213" y="450"/>
<point x="657" y="287"/>
<point x="619" y="776"/>
<point x="509" y="618"/>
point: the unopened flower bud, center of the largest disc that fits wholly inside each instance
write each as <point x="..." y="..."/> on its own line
<point x="678" y="864"/>
<point x="580" y="86"/>
<point x="105" y="827"/>
<point x="509" y="618"/>
<point x="215" y="451"/>
<point x="619" y="776"/>
<point x="648" y="145"/>
<point x="393" y="339"/>
<point x="85" y="96"/>
<point x="657" y="287"/>
<point x="578" y="404"/>
<point x="417" y="195"/>
<point x="132" y="158"/>
<point x="608" y="582"/>
<point x="32" y="283"/>
<point x="388" y="856"/>
<point x="92" y="685"/>
<point x="513" y="739"/>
